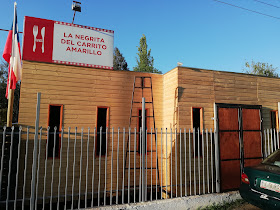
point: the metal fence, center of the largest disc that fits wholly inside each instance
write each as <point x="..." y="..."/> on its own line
<point x="77" y="172"/>
<point x="81" y="175"/>
<point x="271" y="141"/>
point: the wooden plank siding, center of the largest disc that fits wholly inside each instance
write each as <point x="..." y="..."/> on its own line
<point x="170" y="84"/>
<point x="203" y="88"/>
<point x="77" y="87"/>
<point x="196" y="90"/>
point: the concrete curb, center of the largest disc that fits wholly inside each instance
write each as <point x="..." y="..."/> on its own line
<point x="190" y="202"/>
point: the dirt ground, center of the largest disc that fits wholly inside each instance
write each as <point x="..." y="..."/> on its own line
<point x="246" y="206"/>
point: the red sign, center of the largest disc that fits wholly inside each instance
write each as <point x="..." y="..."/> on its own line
<point x="59" y="42"/>
<point x="38" y="39"/>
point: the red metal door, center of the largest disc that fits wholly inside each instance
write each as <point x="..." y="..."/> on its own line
<point x="251" y="135"/>
<point x="229" y="133"/>
<point x="240" y="141"/>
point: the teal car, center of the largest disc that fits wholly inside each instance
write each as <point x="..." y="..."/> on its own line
<point x="260" y="185"/>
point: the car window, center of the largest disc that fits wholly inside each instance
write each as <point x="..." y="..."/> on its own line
<point x="273" y="159"/>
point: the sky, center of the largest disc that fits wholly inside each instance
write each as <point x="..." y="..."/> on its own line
<point x="204" y="34"/>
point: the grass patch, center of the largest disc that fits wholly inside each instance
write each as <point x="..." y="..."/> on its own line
<point x="225" y="205"/>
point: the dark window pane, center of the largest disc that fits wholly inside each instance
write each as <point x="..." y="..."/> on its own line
<point x="273" y="120"/>
<point x="273" y="117"/>
<point x="196" y="118"/>
<point x="101" y="122"/>
<point x="54" y="121"/>
<point x="139" y="126"/>
<point x="196" y="113"/>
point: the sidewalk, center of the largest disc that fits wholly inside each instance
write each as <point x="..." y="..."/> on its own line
<point x="190" y="202"/>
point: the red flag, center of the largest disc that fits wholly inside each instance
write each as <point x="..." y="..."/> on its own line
<point x="12" y="55"/>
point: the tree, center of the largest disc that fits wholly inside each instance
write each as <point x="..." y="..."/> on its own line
<point x="259" y="68"/>
<point x="119" y="62"/>
<point x="145" y="62"/>
<point x="3" y="101"/>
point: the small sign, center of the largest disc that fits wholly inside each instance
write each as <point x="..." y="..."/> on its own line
<point x="270" y="186"/>
<point x="65" y="43"/>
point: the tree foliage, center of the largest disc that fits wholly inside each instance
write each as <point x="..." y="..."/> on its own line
<point x="119" y="62"/>
<point x="259" y="68"/>
<point x="145" y="62"/>
<point x="3" y="101"/>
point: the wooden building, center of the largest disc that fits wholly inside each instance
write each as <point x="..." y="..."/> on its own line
<point x="237" y="105"/>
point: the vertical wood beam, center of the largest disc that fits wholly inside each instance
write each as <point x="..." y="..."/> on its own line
<point x="10" y="108"/>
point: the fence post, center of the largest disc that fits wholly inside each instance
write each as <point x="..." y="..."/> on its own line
<point x="217" y="157"/>
<point x="143" y="151"/>
<point x="34" y="168"/>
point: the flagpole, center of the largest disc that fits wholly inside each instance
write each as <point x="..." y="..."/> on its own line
<point x="11" y="91"/>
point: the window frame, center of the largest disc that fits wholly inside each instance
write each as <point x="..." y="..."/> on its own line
<point x="107" y="126"/>
<point x="59" y="130"/>
<point x="277" y="120"/>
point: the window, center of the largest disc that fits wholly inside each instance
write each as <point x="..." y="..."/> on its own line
<point x="274" y="119"/>
<point x="197" y="123"/>
<point x="139" y="127"/>
<point x="102" y="121"/>
<point x="54" y="120"/>
<point x="274" y="125"/>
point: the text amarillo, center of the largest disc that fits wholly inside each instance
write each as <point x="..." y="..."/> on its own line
<point x="87" y="42"/>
